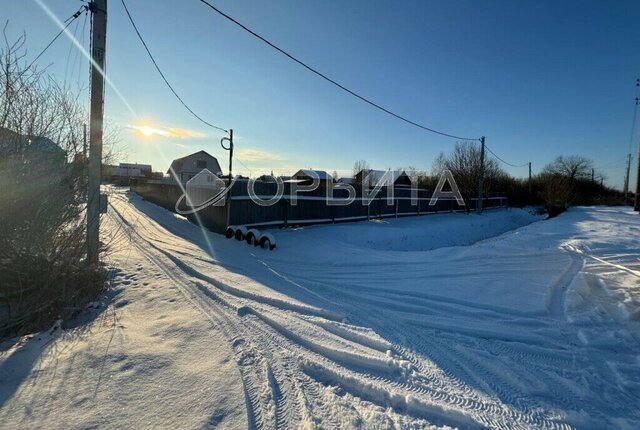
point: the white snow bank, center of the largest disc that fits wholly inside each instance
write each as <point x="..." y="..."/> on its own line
<point x="420" y="233"/>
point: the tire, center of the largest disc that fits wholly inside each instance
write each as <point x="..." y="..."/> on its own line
<point x="241" y="233"/>
<point x="267" y="241"/>
<point x="252" y="236"/>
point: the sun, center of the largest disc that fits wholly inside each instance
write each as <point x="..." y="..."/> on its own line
<point x="146" y="131"/>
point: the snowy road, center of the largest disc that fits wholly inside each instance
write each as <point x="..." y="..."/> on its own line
<point x="397" y="324"/>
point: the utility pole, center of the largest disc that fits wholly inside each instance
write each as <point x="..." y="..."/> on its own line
<point x="593" y="175"/>
<point x="230" y="149"/>
<point x="636" y="200"/>
<point x="98" y="9"/>
<point x="84" y="141"/>
<point x="481" y="179"/>
<point x="529" y="182"/>
<point x="626" y="178"/>
<point x="636" y="203"/>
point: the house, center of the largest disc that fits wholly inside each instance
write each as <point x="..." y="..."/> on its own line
<point x="267" y="178"/>
<point x="307" y="176"/>
<point x="131" y="170"/>
<point x="203" y="187"/>
<point x="12" y="144"/>
<point x="185" y="168"/>
<point x="396" y="178"/>
<point x="347" y="180"/>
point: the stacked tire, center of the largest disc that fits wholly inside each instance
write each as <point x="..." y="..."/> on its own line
<point x="251" y="236"/>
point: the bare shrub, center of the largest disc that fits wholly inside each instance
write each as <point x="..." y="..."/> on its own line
<point x="42" y="196"/>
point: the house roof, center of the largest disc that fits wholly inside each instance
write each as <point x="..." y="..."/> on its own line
<point x="177" y="163"/>
<point x="187" y="156"/>
<point x="376" y="176"/>
<point x="347" y="180"/>
<point x="43" y="144"/>
<point x="320" y="174"/>
<point x="32" y="143"/>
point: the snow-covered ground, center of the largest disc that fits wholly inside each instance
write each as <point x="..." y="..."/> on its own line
<point x="449" y="320"/>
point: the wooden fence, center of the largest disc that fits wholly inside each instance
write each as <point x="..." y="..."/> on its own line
<point x="306" y="207"/>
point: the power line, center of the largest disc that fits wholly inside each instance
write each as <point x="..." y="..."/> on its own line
<point x="325" y="77"/>
<point x="163" y="76"/>
<point x="505" y="162"/>
<point x="66" y="66"/>
<point x="68" y="21"/>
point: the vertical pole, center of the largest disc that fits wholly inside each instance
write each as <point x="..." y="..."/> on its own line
<point x="481" y="179"/>
<point x="230" y="152"/>
<point x="98" y="10"/>
<point x="626" y="178"/>
<point x="636" y="203"/>
<point x="530" y="182"/>
<point x="593" y="175"/>
<point x="228" y="197"/>
<point x="84" y="141"/>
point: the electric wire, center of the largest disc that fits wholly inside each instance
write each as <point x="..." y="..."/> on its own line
<point x="330" y="80"/>
<point x="503" y="161"/>
<point x="68" y="59"/>
<point x="77" y="59"/>
<point x="68" y="22"/>
<point x="135" y="27"/>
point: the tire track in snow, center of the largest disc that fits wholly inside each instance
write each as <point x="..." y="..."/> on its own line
<point x="281" y="410"/>
<point x="557" y="292"/>
<point x="252" y="398"/>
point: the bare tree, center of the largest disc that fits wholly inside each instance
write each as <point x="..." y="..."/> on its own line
<point x="572" y="167"/>
<point x="358" y="167"/>
<point x="418" y="177"/>
<point x="464" y="164"/>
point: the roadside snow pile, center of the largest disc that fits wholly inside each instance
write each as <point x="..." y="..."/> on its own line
<point x="420" y="233"/>
<point x="607" y="240"/>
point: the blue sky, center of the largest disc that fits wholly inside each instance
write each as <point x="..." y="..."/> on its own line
<point x="537" y="78"/>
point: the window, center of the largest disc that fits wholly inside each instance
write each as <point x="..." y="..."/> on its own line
<point x="201" y="164"/>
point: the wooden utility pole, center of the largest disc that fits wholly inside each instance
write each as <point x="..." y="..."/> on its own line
<point x="529" y="181"/>
<point x="636" y="203"/>
<point x="230" y="153"/>
<point x="84" y="141"/>
<point x="230" y="149"/>
<point x="626" y="178"/>
<point x="481" y="178"/>
<point x="98" y="9"/>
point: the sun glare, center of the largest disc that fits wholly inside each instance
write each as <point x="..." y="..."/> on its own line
<point x="147" y="131"/>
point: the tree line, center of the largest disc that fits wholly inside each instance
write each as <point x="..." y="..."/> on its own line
<point x="567" y="180"/>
